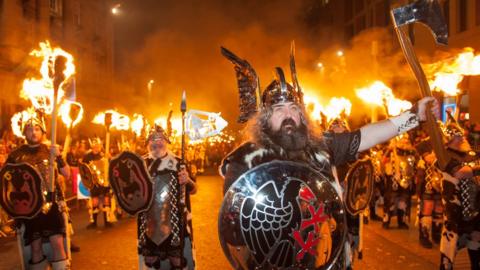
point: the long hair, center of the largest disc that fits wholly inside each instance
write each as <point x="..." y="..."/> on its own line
<point x="258" y="127"/>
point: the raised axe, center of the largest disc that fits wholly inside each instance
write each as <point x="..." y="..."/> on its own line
<point x="427" y="12"/>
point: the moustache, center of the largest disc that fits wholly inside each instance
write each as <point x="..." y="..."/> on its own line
<point x="288" y="122"/>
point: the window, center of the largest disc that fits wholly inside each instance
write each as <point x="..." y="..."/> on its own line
<point x="477" y="12"/>
<point x="381" y="14"/>
<point x="56" y="8"/>
<point x="359" y="5"/>
<point x="359" y="24"/>
<point x="446" y="13"/>
<point x="77" y="14"/>
<point x="462" y="15"/>
<point x="348" y="12"/>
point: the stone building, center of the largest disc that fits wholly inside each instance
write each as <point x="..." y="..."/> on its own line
<point x="83" y="28"/>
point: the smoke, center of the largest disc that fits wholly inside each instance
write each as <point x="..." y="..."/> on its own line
<point x="182" y="51"/>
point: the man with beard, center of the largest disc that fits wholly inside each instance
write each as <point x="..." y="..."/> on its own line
<point x="281" y="130"/>
<point x="48" y="225"/>
<point x="155" y="226"/>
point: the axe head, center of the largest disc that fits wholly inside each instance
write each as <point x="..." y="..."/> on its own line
<point x="427" y="12"/>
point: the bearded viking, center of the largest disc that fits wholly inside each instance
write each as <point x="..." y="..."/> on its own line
<point x="282" y="131"/>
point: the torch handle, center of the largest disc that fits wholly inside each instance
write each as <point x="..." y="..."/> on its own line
<point x="107" y="155"/>
<point x="66" y="145"/>
<point x="53" y="142"/>
<point x="433" y="129"/>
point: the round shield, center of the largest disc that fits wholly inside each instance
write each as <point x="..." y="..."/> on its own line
<point x="284" y="215"/>
<point x="360" y="183"/>
<point x="21" y="187"/>
<point x="131" y="182"/>
<point x="86" y="175"/>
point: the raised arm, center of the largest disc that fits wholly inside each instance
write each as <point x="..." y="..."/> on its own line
<point x="382" y="131"/>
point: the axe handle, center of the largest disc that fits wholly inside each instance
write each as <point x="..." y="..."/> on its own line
<point x="436" y="138"/>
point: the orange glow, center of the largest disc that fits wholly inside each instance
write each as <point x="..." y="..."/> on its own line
<point x="119" y="121"/>
<point x="40" y="90"/>
<point x="64" y="113"/>
<point x="336" y="106"/>
<point x="313" y="106"/>
<point x="331" y="110"/>
<point x="137" y="124"/>
<point x="381" y="95"/>
<point x="19" y="119"/>
<point x="176" y="124"/>
<point x="447" y="74"/>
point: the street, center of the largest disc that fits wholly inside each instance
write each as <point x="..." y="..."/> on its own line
<point x="116" y="248"/>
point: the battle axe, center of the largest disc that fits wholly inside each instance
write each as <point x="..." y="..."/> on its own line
<point x="427" y="12"/>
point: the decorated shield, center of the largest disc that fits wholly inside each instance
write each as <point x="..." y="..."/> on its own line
<point x="130" y="182"/>
<point x="86" y="175"/>
<point x="282" y="215"/>
<point x="360" y="183"/>
<point x="21" y="186"/>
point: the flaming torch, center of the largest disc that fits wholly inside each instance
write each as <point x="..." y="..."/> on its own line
<point x="71" y="113"/>
<point x="381" y="95"/>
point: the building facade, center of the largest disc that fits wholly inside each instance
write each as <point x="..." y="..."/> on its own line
<point x="83" y="28"/>
<point x="462" y="16"/>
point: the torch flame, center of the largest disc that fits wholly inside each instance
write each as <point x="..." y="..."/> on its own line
<point x="19" y="119"/>
<point x="381" y="95"/>
<point x="40" y="91"/>
<point x="137" y="124"/>
<point x="64" y="112"/>
<point x="119" y="121"/>
<point x="176" y="124"/>
<point x="336" y="106"/>
<point x="447" y="74"/>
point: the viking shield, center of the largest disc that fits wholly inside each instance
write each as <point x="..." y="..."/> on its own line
<point x="130" y="182"/>
<point x="360" y="183"/>
<point x="21" y="187"/>
<point x="86" y="175"/>
<point x="283" y="215"/>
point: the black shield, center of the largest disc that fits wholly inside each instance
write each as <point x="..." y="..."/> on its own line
<point x="360" y="181"/>
<point x="131" y="182"/>
<point x="87" y="176"/>
<point x="282" y="215"/>
<point x="21" y="186"/>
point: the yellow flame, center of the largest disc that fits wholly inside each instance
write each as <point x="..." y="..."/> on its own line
<point x="119" y="121"/>
<point x="64" y="112"/>
<point x="336" y="106"/>
<point x="331" y="110"/>
<point x="19" y="119"/>
<point x="313" y="106"/>
<point x="381" y="95"/>
<point x="137" y="124"/>
<point x="176" y="124"/>
<point x="40" y="90"/>
<point x="447" y="74"/>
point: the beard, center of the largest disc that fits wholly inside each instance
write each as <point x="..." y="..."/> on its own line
<point x="290" y="136"/>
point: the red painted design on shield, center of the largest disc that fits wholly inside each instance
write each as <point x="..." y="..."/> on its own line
<point x="317" y="217"/>
<point x="306" y="246"/>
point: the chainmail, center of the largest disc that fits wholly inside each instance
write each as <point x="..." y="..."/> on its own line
<point x="174" y="206"/>
<point x="466" y="190"/>
<point x="143" y="229"/>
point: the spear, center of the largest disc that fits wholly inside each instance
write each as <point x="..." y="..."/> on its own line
<point x="180" y="196"/>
